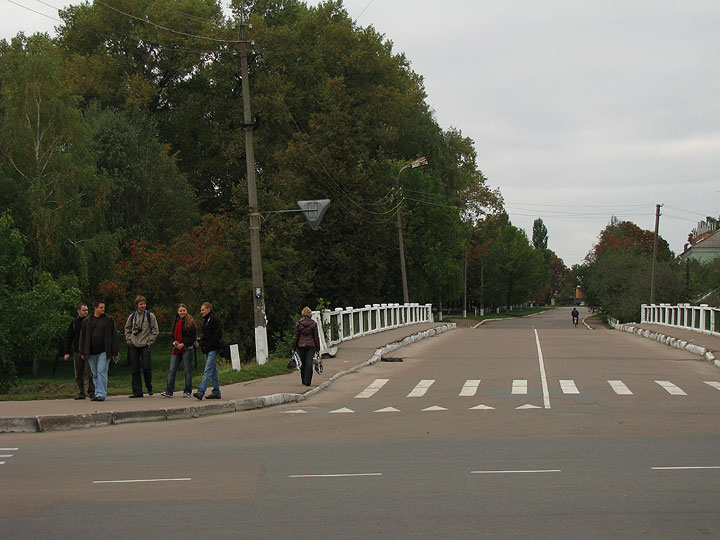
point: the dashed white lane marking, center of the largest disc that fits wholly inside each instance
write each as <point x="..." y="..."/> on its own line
<point x="527" y="406"/>
<point x="388" y="409"/>
<point x="568" y="387"/>
<point x="671" y="388"/>
<point x="295" y="411"/>
<point x="532" y="471"/>
<point x="6" y="455"/>
<point x="374" y="386"/>
<point x="2" y="463"/>
<point x="340" y="475"/>
<point x="543" y="373"/>
<point x="9" y="449"/>
<point x="421" y="388"/>
<point x="342" y="410"/>
<point x="482" y="408"/>
<point x="620" y="388"/>
<point x="142" y="480"/>
<point x="470" y="388"/>
<point x="434" y="408"/>
<point x="519" y="386"/>
<point x="685" y="468"/>
<point x="714" y="384"/>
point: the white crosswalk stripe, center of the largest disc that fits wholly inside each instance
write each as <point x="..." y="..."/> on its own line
<point x="372" y="389"/>
<point x="620" y="388"/>
<point x="421" y="388"/>
<point x="672" y="389"/>
<point x="470" y="388"/>
<point x="568" y="387"/>
<point x="520" y="386"/>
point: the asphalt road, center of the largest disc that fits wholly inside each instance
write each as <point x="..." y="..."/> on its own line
<point x="527" y="428"/>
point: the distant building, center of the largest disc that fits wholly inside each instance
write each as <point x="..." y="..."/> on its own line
<point x="705" y="242"/>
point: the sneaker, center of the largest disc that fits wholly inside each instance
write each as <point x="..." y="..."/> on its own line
<point x="165" y="394"/>
<point x="186" y="394"/>
<point x="198" y="395"/>
<point x="98" y="398"/>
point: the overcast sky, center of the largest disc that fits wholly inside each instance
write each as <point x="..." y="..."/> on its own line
<point x="579" y="109"/>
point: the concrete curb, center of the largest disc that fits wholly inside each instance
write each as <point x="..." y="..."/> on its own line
<point x="34" y="424"/>
<point x="666" y="340"/>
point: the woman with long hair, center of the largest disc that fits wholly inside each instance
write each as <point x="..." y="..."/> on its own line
<point x="307" y="343"/>
<point x="184" y="335"/>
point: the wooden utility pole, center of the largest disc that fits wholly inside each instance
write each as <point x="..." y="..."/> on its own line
<point x="655" y="248"/>
<point x="261" y="342"/>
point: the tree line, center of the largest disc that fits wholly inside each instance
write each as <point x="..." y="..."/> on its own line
<point x="123" y="172"/>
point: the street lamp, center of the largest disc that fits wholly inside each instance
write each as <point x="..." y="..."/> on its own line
<point x="417" y="163"/>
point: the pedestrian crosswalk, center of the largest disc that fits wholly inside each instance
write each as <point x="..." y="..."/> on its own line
<point x="473" y="388"/>
<point x="5" y="454"/>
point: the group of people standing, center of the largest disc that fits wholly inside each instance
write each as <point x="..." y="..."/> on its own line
<point x="93" y="340"/>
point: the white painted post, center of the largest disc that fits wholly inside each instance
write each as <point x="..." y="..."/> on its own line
<point x="235" y="356"/>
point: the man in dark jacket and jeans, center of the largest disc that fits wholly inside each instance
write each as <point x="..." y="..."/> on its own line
<point x="72" y="347"/>
<point x="99" y="341"/>
<point x="211" y="343"/>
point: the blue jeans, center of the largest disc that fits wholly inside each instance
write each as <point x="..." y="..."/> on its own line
<point x="99" y="364"/>
<point x="210" y="375"/>
<point x="186" y="357"/>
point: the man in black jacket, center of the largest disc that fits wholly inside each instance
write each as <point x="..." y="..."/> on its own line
<point x="72" y="347"/>
<point x="211" y="343"/>
<point x="99" y="341"/>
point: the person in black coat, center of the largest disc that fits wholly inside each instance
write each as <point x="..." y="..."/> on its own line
<point x="211" y="343"/>
<point x="72" y="347"/>
<point x="307" y="343"/>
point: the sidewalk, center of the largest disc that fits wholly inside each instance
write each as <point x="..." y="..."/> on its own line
<point x="705" y="345"/>
<point x="63" y="414"/>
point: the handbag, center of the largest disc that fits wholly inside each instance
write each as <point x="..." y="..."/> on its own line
<point x="294" y="362"/>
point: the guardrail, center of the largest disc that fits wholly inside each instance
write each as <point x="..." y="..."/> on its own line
<point x="702" y="318"/>
<point x="343" y="324"/>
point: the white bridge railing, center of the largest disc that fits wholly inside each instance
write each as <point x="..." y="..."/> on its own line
<point x="702" y="318"/>
<point x="344" y="324"/>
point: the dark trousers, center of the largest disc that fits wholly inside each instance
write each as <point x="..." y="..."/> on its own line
<point x="140" y="360"/>
<point x="306" y="370"/>
<point x="81" y="367"/>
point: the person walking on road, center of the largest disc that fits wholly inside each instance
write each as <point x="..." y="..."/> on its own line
<point x="141" y="331"/>
<point x="72" y="347"/>
<point x="211" y="343"/>
<point x="99" y="341"/>
<point x="184" y="335"/>
<point x="307" y="343"/>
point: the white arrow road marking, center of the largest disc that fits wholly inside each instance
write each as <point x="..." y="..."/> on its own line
<point x="568" y="387"/>
<point x="528" y="406"/>
<point x="388" y="409"/>
<point x="470" y="388"/>
<point x="671" y="388"/>
<point x="482" y="408"/>
<point x="421" y="388"/>
<point x="519" y="386"/>
<point x="295" y="411"/>
<point x="343" y="410"/>
<point x="620" y="388"/>
<point x="435" y="408"/>
<point x="713" y="384"/>
<point x="374" y="386"/>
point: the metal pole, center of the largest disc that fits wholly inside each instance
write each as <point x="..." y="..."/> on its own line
<point x="406" y="296"/>
<point x="655" y="247"/>
<point x="261" y="342"/>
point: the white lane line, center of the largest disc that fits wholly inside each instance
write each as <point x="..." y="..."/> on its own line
<point x="141" y="480"/>
<point x="671" y="388"/>
<point x="341" y="475"/>
<point x="543" y="375"/>
<point x="9" y="449"/>
<point x="568" y="387"/>
<point x="421" y="388"/>
<point x="374" y="386"/>
<point x="620" y="388"/>
<point x="470" y="388"/>
<point x="714" y="384"/>
<point x="518" y="472"/>
<point x="685" y="468"/>
<point x="6" y="455"/>
<point x="2" y="463"/>
<point x="519" y="386"/>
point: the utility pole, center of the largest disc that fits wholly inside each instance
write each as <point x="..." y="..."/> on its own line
<point x="420" y="162"/>
<point x="655" y="248"/>
<point x="261" y="342"/>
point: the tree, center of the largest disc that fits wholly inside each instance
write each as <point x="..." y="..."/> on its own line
<point x="540" y="235"/>
<point x="626" y="236"/>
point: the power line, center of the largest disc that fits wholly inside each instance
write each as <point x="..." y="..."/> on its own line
<point x="35" y="11"/>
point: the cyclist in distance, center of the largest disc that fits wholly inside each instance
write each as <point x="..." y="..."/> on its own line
<point x="575" y="316"/>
